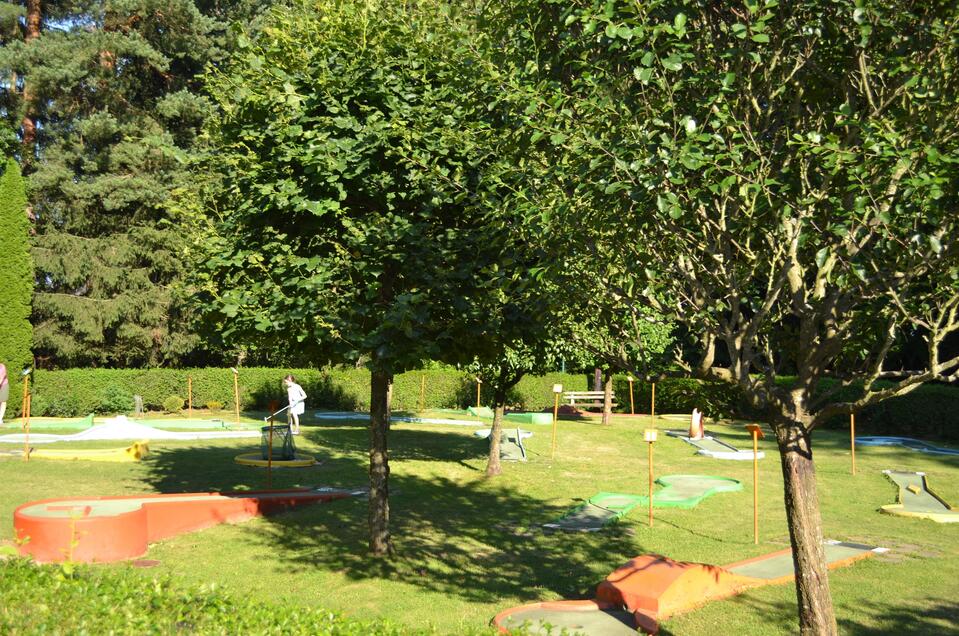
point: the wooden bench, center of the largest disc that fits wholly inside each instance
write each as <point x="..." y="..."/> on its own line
<point x="586" y="398"/>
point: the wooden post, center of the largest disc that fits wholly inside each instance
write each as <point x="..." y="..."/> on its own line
<point x="25" y="416"/>
<point x="557" y="389"/>
<point x="757" y="434"/>
<point x="189" y="396"/>
<point x="479" y="384"/>
<point x="236" y="394"/>
<point x="423" y="392"/>
<point x="652" y="407"/>
<point x="269" y="456"/>
<point x="650" y="436"/>
<point x="632" y="407"/>
<point x="852" y="440"/>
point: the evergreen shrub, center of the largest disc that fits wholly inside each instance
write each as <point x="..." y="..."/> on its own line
<point x="929" y="411"/>
<point x="173" y="404"/>
<point x="16" y="281"/>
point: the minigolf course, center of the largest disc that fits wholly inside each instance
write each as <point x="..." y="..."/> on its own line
<point x="651" y="588"/>
<point x="710" y="446"/>
<point x="599" y="511"/>
<point x="511" y="447"/>
<point x="106" y="529"/>
<point x="905" y="442"/>
<point x="917" y="500"/>
<point x="132" y="453"/>
<point x="678" y="491"/>
<point x="686" y="491"/>
<point x="66" y="423"/>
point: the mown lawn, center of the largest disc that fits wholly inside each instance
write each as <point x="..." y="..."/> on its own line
<point x="469" y="547"/>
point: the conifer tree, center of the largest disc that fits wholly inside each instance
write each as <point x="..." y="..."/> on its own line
<point x="16" y="273"/>
<point x="106" y="99"/>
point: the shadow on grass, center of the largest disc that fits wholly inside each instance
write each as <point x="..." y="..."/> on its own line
<point x="470" y="538"/>
<point x="937" y="617"/>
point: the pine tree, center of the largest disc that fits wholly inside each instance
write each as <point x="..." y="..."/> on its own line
<point x="16" y="274"/>
<point x="112" y="92"/>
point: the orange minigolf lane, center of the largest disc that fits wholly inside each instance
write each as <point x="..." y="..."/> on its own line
<point x="106" y="529"/>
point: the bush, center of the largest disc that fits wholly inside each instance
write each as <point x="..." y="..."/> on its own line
<point x="83" y="600"/>
<point x="57" y="406"/>
<point x="929" y="411"/>
<point x="115" y="399"/>
<point x="173" y="404"/>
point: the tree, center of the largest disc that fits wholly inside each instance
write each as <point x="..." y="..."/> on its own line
<point x="106" y="99"/>
<point x="763" y="166"/>
<point x="16" y="275"/>
<point x="347" y="221"/>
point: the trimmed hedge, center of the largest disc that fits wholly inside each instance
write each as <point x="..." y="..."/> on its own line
<point x="929" y="411"/>
<point x="72" y="599"/>
<point x="73" y="392"/>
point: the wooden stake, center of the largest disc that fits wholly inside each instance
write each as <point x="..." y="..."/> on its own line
<point x="650" y="444"/>
<point x="652" y="407"/>
<point x="479" y="384"/>
<point x="632" y="407"/>
<point x="236" y="396"/>
<point x="852" y="440"/>
<point x="552" y="448"/>
<point x="189" y="396"/>
<point x="423" y="393"/>
<point x="269" y="456"/>
<point x="25" y="414"/>
<point x="756" y="487"/>
<point x="757" y="435"/>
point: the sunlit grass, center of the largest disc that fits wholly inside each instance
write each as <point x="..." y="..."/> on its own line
<point x="469" y="547"/>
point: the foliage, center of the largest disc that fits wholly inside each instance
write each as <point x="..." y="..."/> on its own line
<point x="173" y="404"/>
<point x="84" y="599"/>
<point x="344" y="181"/>
<point x="114" y="399"/>
<point x="214" y="405"/>
<point x="110" y="93"/>
<point x="741" y="168"/>
<point x="16" y="280"/>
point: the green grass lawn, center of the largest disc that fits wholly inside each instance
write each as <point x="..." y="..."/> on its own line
<point x="469" y="547"/>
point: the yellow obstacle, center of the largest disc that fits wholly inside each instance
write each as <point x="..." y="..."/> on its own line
<point x="133" y="453"/>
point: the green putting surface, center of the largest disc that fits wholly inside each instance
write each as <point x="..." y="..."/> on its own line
<point x="217" y="424"/>
<point x="541" y="621"/>
<point x="66" y="423"/>
<point x="686" y="491"/>
<point x="530" y="418"/>
<point x="922" y="501"/>
<point x="781" y="565"/>
<point x="599" y="510"/>
<point x="480" y="411"/>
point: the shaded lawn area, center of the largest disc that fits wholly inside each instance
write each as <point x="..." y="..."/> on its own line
<point x="469" y="547"/>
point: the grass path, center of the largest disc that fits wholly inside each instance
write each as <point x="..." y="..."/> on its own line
<point x="469" y="547"/>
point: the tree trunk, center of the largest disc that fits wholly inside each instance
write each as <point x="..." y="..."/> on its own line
<point x="608" y="397"/>
<point x="816" y="613"/>
<point x="493" y="466"/>
<point x="381" y="543"/>
<point x="597" y="379"/>
<point x="29" y="125"/>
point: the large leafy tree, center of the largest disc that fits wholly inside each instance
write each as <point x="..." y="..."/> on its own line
<point x="105" y="93"/>
<point x="780" y="179"/>
<point x="16" y="275"/>
<point x="349" y="220"/>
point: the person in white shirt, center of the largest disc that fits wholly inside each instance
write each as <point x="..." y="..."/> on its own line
<point x="297" y="402"/>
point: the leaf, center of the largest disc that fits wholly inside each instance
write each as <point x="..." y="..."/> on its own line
<point x="679" y="21"/>
<point x="673" y="63"/>
<point x="760" y="37"/>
